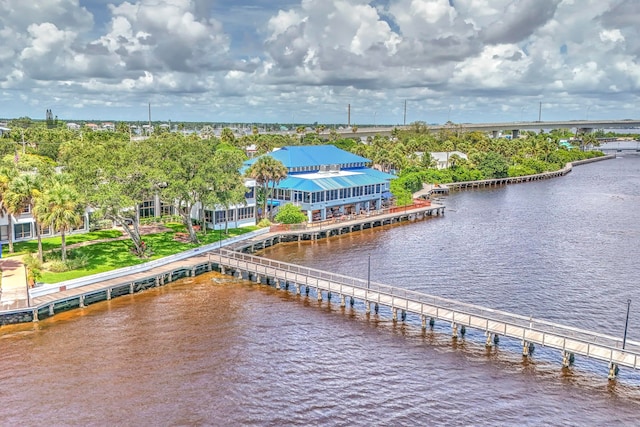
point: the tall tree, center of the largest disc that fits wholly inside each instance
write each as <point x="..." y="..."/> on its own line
<point x="267" y="170"/>
<point x="7" y="173"/>
<point x="60" y="209"/>
<point x="228" y="189"/>
<point x="186" y="169"/>
<point x="22" y="194"/>
<point x="114" y="177"/>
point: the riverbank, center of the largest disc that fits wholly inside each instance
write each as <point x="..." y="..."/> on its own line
<point x="24" y="306"/>
<point x="48" y="300"/>
<point x="429" y="189"/>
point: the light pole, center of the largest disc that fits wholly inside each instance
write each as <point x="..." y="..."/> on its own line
<point x="26" y="279"/>
<point x="374" y="118"/>
<point x="626" y="323"/>
<point x="588" y="108"/>
<point x="366" y="295"/>
<point x="540" y="112"/>
<point x="369" y="276"/>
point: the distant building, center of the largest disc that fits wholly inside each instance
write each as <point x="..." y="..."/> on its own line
<point x="73" y="126"/>
<point x="108" y="126"/>
<point x="92" y="126"/>
<point x="4" y="131"/>
<point x="443" y="158"/>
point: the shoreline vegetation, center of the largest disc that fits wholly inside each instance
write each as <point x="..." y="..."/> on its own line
<point x="56" y="173"/>
<point x="106" y="250"/>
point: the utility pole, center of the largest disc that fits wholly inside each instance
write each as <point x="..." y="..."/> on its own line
<point x="540" y="112"/>
<point x="348" y="114"/>
<point x="404" y="122"/>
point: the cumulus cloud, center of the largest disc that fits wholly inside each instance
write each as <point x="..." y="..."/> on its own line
<point x="253" y="61"/>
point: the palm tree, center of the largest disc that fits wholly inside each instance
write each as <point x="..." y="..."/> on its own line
<point x="267" y="170"/>
<point x="6" y="175"/>
<point x="21" y="195"/>
<point x="207" y="132"/>
<point x="60" y="209"/>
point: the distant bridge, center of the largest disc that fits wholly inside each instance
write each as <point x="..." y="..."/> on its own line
<point x="515" y="127"/>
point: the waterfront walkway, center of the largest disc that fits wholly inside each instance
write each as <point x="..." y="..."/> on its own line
<point x="13" y="293"/>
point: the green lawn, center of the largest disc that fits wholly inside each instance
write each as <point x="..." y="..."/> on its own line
<point x="50" y="243"/>
<point x="105" y="256"/>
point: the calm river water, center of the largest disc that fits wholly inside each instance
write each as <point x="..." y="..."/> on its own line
<point x="216" y="351"/>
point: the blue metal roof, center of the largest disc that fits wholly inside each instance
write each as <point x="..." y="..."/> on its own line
<point x="294" y="156"/>
<point x="359" y="178"/>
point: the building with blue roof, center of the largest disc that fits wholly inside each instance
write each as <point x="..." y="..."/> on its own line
<point x="327" y="182"/>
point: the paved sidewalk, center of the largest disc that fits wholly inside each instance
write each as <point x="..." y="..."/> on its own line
<point x="14" y="284"/>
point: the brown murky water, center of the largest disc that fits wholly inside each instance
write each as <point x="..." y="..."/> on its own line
<point x="216" y="351"/>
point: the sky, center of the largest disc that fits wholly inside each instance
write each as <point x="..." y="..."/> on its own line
<point x="306" y="61"/>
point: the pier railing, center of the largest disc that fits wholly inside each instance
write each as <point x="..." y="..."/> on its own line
<point x="555" y="335"/>
<point x="100" y="277"/>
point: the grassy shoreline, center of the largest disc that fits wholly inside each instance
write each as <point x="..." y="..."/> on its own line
<point x="111" y="252"/>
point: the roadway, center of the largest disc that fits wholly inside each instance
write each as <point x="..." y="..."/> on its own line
<point x="492" y="127"/>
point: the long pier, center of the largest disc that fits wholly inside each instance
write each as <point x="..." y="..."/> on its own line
<point x="568" y="340"/>
<point x="428" y="190"/>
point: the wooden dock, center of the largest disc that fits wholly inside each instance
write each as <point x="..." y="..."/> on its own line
<point x="429" y="190"/>
<point x="530" y="332"/>
<point x="348" y="224"/>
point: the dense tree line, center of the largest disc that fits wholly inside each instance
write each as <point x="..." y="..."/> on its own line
<point x="112" y="174"/>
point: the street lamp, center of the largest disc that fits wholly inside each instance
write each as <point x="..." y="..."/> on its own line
<point x="366" y="295"/>
<point x="626" y="323"/>
<point x="26" y="279"/>
<point x="369" y="276"/>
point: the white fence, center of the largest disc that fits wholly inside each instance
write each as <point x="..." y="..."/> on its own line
<point x="89" y="280"/>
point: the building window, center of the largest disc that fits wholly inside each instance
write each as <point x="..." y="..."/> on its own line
<point x="147" y="209"/>
<point x="221" y="217"/>
<point x="165" y="209"/>
<point x="22" y="231"/>
<point x="4" y="232"/>
<point x="246" y="213"/>
<point x="26" y="209"/>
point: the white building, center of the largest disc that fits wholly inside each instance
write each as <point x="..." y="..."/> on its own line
<point x="443" y="158"/>
<point x="23" y="227"/>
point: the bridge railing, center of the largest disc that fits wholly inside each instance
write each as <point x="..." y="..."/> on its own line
<point x="435" y="301"/>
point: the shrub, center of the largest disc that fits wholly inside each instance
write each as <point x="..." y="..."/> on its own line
<point x="264" y="223"/>
<point x="57" y="267"/>
<point x="290" y="214"/>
